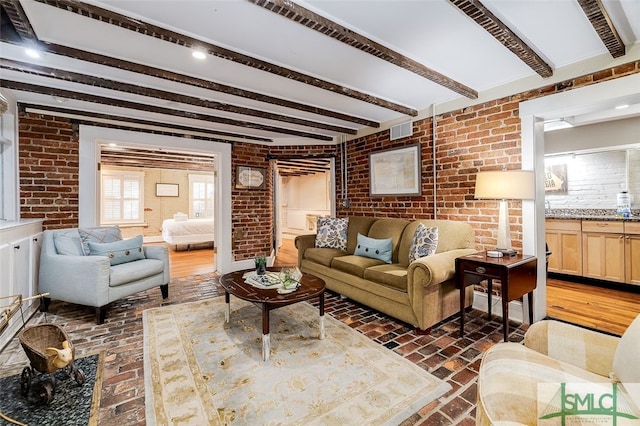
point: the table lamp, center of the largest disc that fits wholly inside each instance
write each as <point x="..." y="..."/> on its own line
<point x="505" y="185"/>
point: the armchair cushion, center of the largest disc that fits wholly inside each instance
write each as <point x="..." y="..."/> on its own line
<point x="118" y="252"/>
<point x="100" y="234"/>
<point x="68" y="243"/>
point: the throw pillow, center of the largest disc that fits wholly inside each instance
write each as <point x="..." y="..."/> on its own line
<point x="626" y="368"/>
<point x="425" y="242"/>
<point x="101" y="234"/>
<point x="374" y="248"/>
<point x="68" y="243"/>
<point x="332" y="233"/>
<point x="118" y="252"/>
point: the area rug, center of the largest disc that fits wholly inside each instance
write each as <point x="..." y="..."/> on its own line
<point x="200" y="370"/>
<point x="72" y="404"/>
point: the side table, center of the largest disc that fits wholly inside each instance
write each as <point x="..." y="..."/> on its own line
<point x="517" y="275"/>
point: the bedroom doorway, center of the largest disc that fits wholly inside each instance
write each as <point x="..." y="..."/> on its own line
<point x="167" y="196"/>
<point x="304" y="189"/>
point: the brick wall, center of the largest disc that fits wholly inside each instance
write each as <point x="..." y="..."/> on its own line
<point x="480" y="137"/>
<point x="48" y="168"/>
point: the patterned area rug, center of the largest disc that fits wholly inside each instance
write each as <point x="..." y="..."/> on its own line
<point x="199" y="370"/>
<point x="72" y="404"/>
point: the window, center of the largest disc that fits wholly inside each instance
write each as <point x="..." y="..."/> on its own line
<point x="122" y="197"/>
<point x="201" y="195"/>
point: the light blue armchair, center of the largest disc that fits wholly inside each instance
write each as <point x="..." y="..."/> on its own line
<point x="94" y="267"/>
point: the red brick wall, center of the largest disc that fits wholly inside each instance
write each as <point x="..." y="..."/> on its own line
<point x="252" y="212"/>
<point x="480" y="137"/>
<point x="48" y="168"/>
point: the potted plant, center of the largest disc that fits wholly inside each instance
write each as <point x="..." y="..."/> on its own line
<point x="261" y="265"/>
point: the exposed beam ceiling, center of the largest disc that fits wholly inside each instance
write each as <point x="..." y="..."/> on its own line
<point x="601" y="22"/>
<point x="325" y="26"/>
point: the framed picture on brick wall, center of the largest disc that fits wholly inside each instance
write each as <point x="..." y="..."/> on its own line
<point x="395" y="172"/>
<point x="251" y="177"/>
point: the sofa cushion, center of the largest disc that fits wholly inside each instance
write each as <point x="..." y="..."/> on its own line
<point x="332" y="233"/>
<point x="394" y="275"/>
<point x="100" y="234"/>
<point x="389" y="228"/>
<point x="135" y="271"/>
<point x="323" y="256"/>
<point x="425" y="242"/>
<point x="118" y="252"/>
<point x="373" y="248"/>
<point x="626" y="367"/>
<point x="452" y="235"/>
<point x="354" y="265"/>
<point x="67" y="242"/>
<point x="357" y="225"/>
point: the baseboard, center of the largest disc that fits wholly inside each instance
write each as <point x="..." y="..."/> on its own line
<point x="516" y="308"/>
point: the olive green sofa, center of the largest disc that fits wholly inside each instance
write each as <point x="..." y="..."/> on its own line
<point x="421" y="293"/>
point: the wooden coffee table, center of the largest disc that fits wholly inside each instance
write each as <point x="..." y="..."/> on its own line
<point x="270" y="299"/>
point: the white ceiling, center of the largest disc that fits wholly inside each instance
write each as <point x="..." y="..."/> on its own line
<point x="435" y="33"/>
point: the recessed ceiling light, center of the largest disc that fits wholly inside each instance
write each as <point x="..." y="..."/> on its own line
<point x="622" y="106"/>
<point x="32" y="53"/>
<point x="198" y="54"/>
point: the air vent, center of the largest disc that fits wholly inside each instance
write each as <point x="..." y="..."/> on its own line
<point x="401" y="130"/>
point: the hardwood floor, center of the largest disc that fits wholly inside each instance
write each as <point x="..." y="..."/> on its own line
<point x="604" y="309"/>
<point x="595" y="307"/>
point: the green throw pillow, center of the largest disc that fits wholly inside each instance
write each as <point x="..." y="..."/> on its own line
<point x="373" y="248"/>
<point x="118" y="252"/>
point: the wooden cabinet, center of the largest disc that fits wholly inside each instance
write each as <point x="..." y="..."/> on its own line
<point x="19" y="260"/>
<point x="603" y="250"/>
<point x="632" y="252"/>
<point x="565" y="243"/>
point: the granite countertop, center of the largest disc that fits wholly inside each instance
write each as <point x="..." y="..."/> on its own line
<point x="590" y="214"/>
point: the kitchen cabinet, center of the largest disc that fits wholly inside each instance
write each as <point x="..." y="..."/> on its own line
<point x="565" y="243"/>
<point x="632" y="252"/>
<point x="603" y="250"/>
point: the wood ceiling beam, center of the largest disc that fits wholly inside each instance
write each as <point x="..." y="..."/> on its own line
<point x="325" y="26"/>
<point x="213" y="135"/>
<point x="61" y="93"/>
<point x="148" y="29"/>
<point x="19" y="19"/>
<point x="475" y="10"/>
<point x="599" y="18"/>
<point x="73" y="77"/>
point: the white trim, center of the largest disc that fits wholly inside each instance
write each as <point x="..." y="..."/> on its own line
<point x="91" y="137"/>
<point x="598" y="96"/>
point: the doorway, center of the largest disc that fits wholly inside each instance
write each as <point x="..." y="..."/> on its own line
<point x="304" y="191"/>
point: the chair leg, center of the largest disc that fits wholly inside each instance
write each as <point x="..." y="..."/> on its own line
<point x="46" y="301"/>
<point x="164" y="288"/>
<point x="100" y="314"/>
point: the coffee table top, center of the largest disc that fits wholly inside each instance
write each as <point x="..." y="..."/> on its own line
<point x="310" y="287"/>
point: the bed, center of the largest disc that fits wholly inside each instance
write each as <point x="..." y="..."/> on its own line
<point x="188" y="232"/>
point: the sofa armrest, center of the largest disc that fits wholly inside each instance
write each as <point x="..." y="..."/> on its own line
<point x="435" y="269"/>
<point x="302" y="243"/>
<point x="587" y="349"/>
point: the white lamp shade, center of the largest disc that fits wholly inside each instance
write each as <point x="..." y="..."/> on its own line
<point x="505" y="185"/>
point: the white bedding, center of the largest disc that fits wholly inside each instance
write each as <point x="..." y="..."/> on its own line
<point x="189" y="231"/>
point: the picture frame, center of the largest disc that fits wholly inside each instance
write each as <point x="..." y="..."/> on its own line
<point x="167" y="190"/>
<point x="251" y="177"/>
<point x="395" y="172"/>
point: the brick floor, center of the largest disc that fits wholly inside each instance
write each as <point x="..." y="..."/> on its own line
<point x="442" y="353"/>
